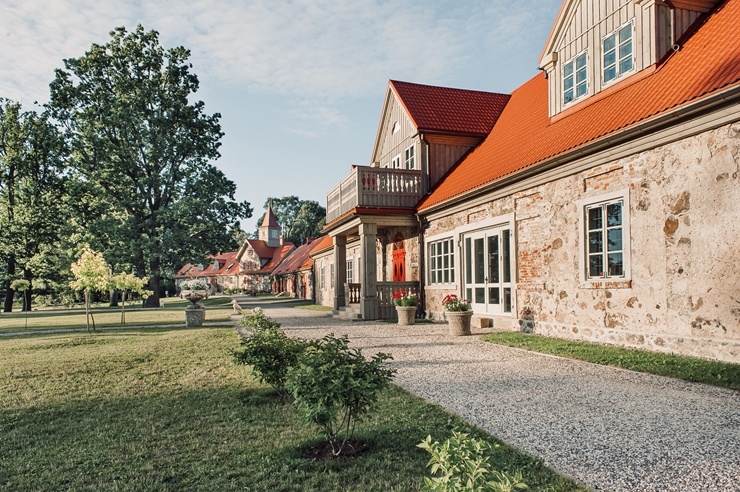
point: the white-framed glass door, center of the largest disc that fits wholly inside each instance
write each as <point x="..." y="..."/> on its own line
<point x="488" y="271"/>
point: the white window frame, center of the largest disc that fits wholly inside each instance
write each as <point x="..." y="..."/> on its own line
<point x="583" y="206"/>
<point x="396" y="162"/>
<point x="350" y="274"/>
<point x="331" y="278"/>
<point x="619" y="73"/>
<point x="409" y="157"/>
<point x="436" y="257"/>
<point x="322" y="278"/>
<point x="575" y="71"/>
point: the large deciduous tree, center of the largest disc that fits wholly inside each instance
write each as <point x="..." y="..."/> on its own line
<point x="142" y="144"/>
<point x="300" y="219"/>
<point x="32" y="188"/>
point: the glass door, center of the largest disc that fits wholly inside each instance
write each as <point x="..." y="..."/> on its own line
<point x="488" y="284"/>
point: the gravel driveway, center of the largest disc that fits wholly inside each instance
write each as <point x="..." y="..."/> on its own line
<point x="610" y="428"/>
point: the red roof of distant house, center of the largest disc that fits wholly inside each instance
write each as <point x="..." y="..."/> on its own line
<point x="227" y="265"/>
<point x="261" y="248"/>
<point x="443" y="109"/>
<point x="321" y="244"/>
<point x="708" y="62"/>
<point x="297" y="261"/>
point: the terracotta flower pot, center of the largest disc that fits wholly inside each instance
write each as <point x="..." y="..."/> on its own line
<point x="406" y="315"/>
<point x="459" y="322"/>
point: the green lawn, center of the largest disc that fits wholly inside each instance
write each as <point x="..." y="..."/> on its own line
<point x="687" y="368"/>
<point x="218" y="309"/>
<point x="166" y="409"/>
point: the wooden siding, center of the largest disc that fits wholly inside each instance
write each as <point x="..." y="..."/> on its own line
<point x="375" y="188"/>
<point x="444" y="152"/>
<point x="655" y="29"/>
<point x="392" y="144"/>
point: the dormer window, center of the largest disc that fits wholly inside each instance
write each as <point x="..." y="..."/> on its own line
<point x="618" y="53"/>
<point x="575" y="80"/>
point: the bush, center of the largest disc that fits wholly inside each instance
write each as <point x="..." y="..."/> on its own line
<point x="462" y="465"/>
<point x="257" y="319"/>
<point x="268" y="349"/>
<point x="333" y="386"/>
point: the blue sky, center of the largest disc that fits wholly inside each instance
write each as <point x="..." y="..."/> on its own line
<point x="299" y="84"/>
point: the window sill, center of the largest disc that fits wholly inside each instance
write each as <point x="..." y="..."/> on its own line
<point x="607" y="284"/>
<point x="440" y="287"/>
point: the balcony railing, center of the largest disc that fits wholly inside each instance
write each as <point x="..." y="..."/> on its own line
<point x="374" y="187"/>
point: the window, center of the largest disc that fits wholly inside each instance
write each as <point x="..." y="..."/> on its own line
<point x="331" y="273"/>
<point x="606" y="238"/>
<point x="350" y="271"/>
<point x="409" y="154"/>
<point x="618" y="53"/>
<point x="442" y="262"/>
<point x="322" y="277"/>
<point x="575" y="81"/>
<point x="396" y="162"/>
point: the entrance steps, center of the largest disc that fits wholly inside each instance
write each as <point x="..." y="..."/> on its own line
<point x="352" y="312"/>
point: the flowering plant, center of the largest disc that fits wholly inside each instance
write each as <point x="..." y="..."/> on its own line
<point x="452" y="303"/>
<point x="195" y="284"/>
<point x="405" y="299"/>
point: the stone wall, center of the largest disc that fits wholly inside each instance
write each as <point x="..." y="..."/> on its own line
<point x="683" y="294"/>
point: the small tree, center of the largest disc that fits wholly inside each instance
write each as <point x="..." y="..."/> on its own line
<point x="128" y="283"/>
<point x="91" y="275"/>
<point x="333" y="386"/>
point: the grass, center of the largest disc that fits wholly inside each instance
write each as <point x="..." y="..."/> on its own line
<point x="218" y="309"/>
<point x="315" y="307"/>
<point x="167" y="409"/>
<point x="716" y="373"/>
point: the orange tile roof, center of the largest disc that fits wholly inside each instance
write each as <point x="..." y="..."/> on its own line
<point x="708" y="62"/>
<point x="279" y="255"/>
<point x="297" y="261"/>
<point x="443" y="109"/>
<point x="321" y="244"/>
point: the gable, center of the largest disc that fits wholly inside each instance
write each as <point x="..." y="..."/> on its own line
<point x="394" y="128"/>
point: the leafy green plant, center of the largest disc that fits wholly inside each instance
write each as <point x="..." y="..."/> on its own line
<point x="461" y="464"/>
<point x="257" y="319"/>
<point x="333" y="386"/>
<point x="91" y="273"/>
<point x="271" y="353"/>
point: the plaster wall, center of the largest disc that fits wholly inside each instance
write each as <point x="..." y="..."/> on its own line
<point x="683" y="294"/>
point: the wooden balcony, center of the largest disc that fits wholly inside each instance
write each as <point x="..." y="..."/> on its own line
<point x="374" y="187"/>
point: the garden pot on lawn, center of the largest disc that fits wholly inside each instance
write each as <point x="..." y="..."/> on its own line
<point x="406" y="315"/>
<point x="459" y="322"/>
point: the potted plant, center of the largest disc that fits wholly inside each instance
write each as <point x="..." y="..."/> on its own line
<point x="458" y="314"/>
<point x="405" y="307"/>
<point x="194" y="291"/>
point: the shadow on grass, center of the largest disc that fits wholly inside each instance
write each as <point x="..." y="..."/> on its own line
<point x="222" y="438"/>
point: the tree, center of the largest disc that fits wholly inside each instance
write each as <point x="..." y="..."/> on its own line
<point x="91" y="275"/>
<point x="128" y="282"/>
<point x="300" y="219"/>
<point x="32" y="187"/>
<point x="145" y="149"/>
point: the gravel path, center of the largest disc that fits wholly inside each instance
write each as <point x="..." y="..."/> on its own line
<point x="611" y="429"/>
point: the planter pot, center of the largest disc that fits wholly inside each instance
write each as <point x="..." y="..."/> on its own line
<point x="194" y="317"/>
<point x="406" y="315"/>
<point x="459" y="322"/>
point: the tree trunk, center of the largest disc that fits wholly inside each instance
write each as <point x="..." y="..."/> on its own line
<point x="28" y="275"/>
<point x="113" y="298"/>
<point x="9" y="293"/>
<point x="154" y="285"/>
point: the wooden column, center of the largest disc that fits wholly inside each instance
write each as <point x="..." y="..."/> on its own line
<point x="340" y="270"/>
<point x="368" y="289"/>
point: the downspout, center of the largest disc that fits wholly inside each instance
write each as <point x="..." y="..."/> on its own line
<point x="422" y="270"/>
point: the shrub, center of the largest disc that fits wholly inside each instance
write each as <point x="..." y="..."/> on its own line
<point x="405" y="299"/>
<point x="271" y="353"/>
<point x="333" y="386"/>
<point x="268" y="349"/>
<point x="461" y="465"/>
<point x="257" y="319"/>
